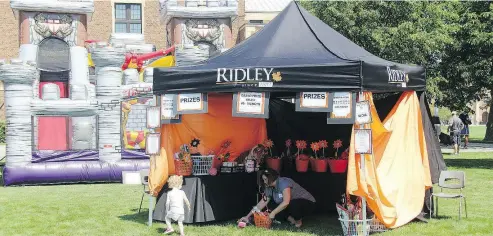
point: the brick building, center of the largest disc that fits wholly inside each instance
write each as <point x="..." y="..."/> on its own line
<point x="260" y="12"/>
<point x="163" y="23"/>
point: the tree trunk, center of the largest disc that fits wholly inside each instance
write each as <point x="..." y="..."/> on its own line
<point x="489" y="125"/>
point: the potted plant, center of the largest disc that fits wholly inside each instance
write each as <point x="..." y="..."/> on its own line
<point x="222" y="156"/>
<point x="287" y="157"/>
<point x="318" y="163"/>
<point x="338" y="164"/>
<point x="302" y="160"/>
<point x="273" y="162"/>
<point x="183" y="161"/>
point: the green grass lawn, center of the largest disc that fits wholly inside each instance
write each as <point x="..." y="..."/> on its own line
<point x="111" y="209"/>
<point x="476" y="133"/>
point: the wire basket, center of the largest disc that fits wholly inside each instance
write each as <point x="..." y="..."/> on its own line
<point x="202" y="164"/>
<point x="356" y="227"/>
<point x="377" y="227"/>
<point x="183" y="168"/>
<point x="262" y="220"/>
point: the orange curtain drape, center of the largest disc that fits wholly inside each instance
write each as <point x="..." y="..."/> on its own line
<point x="212" y="129"/>
<point x="397" y="174"/>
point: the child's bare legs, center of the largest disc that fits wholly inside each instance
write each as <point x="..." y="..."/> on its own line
<point x="182" y="231"/>
<point x="169" y="229"/>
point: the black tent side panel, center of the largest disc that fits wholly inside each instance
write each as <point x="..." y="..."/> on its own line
<point x="385" y="105"/>
<point x="435" y="156"/>
<point x="284" y="122"/>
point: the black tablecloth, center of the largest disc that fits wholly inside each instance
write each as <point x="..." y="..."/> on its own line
<point x="228" y="197"/>
<point x="214" y="198"/>
<point x="326" y="188"/>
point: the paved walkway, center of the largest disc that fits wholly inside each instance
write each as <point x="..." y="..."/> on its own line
<point x="473" y="147"/>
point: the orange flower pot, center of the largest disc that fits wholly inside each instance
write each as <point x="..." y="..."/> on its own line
<point x="319" y="165"/>
<point x="338" y="166"/>
<point x="274" y="163"/>
<point x="302" y="163"/>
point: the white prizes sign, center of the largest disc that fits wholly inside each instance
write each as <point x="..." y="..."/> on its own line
<point x="314" y="100"/>
<point x="191" y="103"/>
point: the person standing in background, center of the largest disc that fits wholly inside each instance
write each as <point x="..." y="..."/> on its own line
<point x="464" y="117"/>
<point x="455" y="128"/>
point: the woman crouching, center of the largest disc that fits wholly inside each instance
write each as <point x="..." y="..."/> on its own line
<point x="293" y="201"/>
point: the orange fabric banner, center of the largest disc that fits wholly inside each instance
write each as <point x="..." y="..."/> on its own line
<point x="397" y="174"/>
<point x="158" y="172"/>
<point x="212" y="129"/>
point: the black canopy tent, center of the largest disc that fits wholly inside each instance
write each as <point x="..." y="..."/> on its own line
<point x="296" y="52"/>
<point x="308" y="55"/>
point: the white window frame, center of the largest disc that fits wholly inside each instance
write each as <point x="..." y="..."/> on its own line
<point x="142" y="13"/>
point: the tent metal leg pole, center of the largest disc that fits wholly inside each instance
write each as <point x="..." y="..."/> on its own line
<point x="364" y="199"/>
<point x="436" y="212"/>
<point x="431" y="207"/>
<point x="465" y="206"/>
<point x="460" y="207"/>
<point x="363" y="166"/>
<point x="141" y="200"/>
<point x="151" y="209"/>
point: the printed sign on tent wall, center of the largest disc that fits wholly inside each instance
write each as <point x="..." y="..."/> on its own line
<point x="362" y="141"/>
<point x="169" y="114"/>
<point x="343" y="108"/>
<point x="251" y="104"/>
<point x="313" y="102"/>
<point x="363" y="114"/>
<point x="191" y="103"/>
<point x="153" y="117"/>
<point x="153" y="144"/>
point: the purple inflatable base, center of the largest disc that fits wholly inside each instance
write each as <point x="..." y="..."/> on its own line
<point x="70" y="172"/>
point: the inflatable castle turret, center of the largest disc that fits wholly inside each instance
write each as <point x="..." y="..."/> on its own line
<point x="65" y="124"/>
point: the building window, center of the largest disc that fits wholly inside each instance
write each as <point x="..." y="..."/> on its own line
<point x="128" y="18"/>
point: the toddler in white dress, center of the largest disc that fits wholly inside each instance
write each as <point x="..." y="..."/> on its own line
<point x="174" y="204"/>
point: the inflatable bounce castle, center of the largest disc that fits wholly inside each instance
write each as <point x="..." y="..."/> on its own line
<point x="75" y="109"/>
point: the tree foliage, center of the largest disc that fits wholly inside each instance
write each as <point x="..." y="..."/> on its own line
<point x="453" y="40"/>
<point x="468" y="64"/>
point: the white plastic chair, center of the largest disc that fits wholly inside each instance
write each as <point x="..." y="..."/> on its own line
<point x="450" y="175"/>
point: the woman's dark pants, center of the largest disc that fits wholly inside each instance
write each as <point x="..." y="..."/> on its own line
<point x="297" y="208"/>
